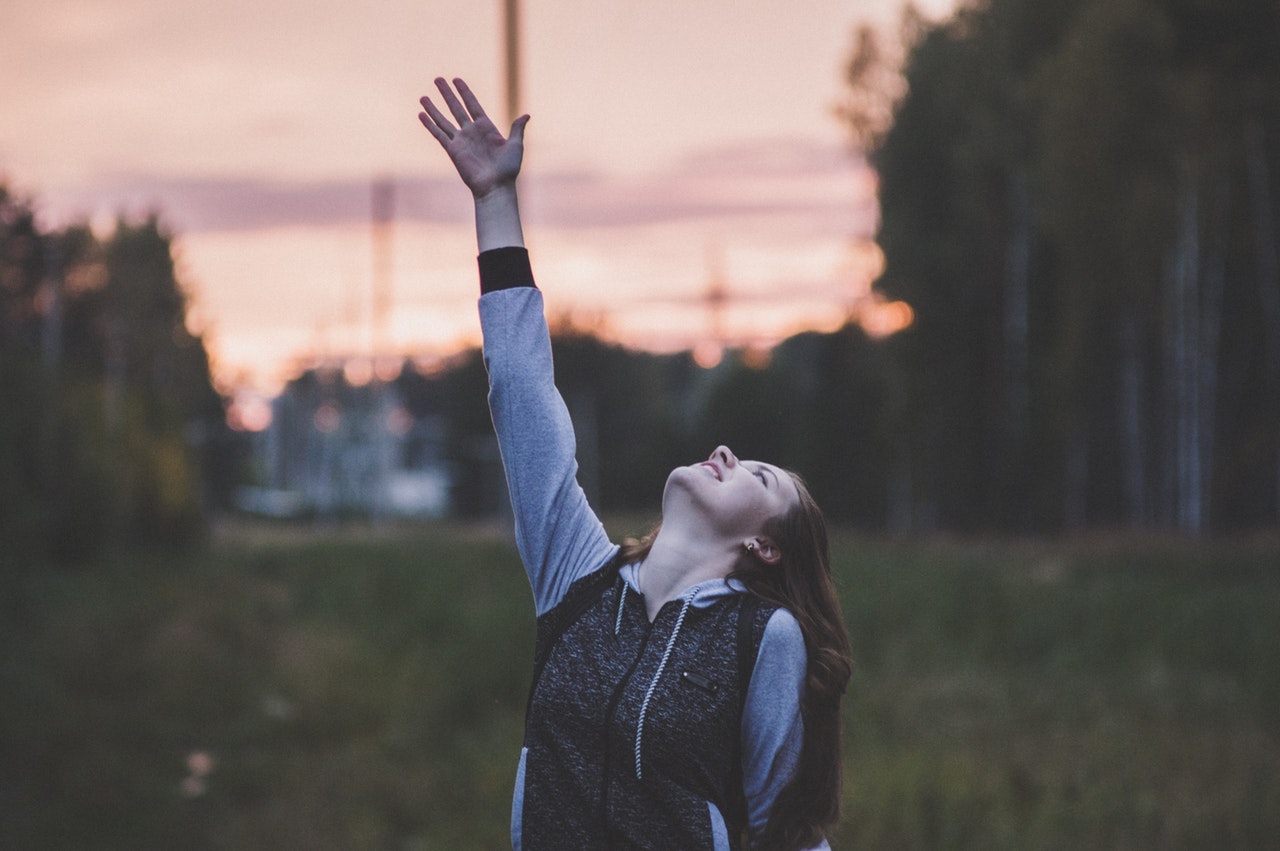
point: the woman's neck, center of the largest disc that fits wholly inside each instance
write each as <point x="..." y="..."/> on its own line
<point x="677" y="562"/>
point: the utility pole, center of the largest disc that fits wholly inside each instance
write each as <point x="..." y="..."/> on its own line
<point x="51" y="359"/>
<point x="51" y="325"/>
<point x="383" y="213"/>
<point x="511" y="20"/>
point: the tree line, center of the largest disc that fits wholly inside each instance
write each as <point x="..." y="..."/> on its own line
<point x="111" y="431"/>
<point x="813" y="404"/>
<point x="1078" y="199"/>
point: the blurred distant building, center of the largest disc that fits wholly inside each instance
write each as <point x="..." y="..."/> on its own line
<point x="335" y="448"/>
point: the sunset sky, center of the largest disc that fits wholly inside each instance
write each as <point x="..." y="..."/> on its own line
<point x="673" y="143"/>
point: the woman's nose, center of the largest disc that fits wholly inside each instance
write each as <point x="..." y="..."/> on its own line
<point x="726" y="456"/>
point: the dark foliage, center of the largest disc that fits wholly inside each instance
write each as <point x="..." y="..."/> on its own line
<point x="113" y="434"/>
<point x="1079" y="201"/>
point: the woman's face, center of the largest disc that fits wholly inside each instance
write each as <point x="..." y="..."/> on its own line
<point x="736" y="497"/>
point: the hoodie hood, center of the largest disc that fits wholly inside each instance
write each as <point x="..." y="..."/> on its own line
<point x="705" y="593"/>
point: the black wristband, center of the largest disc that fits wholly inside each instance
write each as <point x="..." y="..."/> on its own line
<point x="504" y="268"/>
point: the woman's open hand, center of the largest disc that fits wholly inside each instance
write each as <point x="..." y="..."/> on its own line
<point x="483" y="157"/>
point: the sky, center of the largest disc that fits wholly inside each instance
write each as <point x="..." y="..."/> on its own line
<point x="675" y="145"/>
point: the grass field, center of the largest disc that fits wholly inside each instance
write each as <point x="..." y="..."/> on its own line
<point x="361" y="689"/>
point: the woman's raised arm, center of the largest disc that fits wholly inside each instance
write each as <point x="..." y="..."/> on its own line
<point x="487" y="162"/>
<point x="559" y="536"/>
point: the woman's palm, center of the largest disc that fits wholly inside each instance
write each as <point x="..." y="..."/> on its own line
<point x="483" y="157"/>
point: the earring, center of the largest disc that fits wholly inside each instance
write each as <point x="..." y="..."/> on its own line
<point x="751" y="547"/>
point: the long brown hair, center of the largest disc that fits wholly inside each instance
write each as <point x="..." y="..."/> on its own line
<point x="801" y="582"/>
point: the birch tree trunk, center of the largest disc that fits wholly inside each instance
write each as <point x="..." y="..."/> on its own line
<point x="1132" y="421"/>
<point x="1181" y="327"/>
<point x="1016" y="309"/>
<point x="1075" y="506"/>
<point x="1213" y="283"/>
<point x="1268" y="265"/>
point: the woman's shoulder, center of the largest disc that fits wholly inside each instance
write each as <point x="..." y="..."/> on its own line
<point x="777" y="678"/>
<point x="772" y="625"/>
<point x="782" y="632"/>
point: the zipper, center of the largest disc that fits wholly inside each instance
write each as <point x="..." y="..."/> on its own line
<point x="614" y="699"/>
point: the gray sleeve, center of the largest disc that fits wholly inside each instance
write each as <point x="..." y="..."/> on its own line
<point x="772" y="728"/>
<point x="558" y="535"/>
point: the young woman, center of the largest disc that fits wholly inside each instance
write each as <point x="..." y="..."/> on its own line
<point x="687" y="687"/>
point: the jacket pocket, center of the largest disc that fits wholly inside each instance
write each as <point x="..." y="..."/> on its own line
<point x="517" y="804"/>
<point x="699" y="681"/>
<point x="719" y="831"/>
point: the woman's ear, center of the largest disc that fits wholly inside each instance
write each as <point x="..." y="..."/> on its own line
<point x="765" y="549"/>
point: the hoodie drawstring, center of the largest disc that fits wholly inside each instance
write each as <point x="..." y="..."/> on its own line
<point x="666" y="654"/>
<point x="617" y="622"/>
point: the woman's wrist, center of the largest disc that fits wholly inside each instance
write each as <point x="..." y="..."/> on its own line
<point x="498" y="218"/>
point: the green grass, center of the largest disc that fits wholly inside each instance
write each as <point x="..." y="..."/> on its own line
<point x="358" y="689"/>
<point x="1092" y="695"/>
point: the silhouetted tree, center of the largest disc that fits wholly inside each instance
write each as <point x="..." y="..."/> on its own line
<point x="110" y="409"/>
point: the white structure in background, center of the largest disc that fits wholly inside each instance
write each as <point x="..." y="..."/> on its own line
<point x="338" y="449"/>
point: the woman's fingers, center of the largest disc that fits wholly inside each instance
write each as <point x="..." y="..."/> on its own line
<point x="440" y="136"/>
<point x="433" y="119"/>
<point x="451" y="100"/>
<point x="517" y="130"/>
<point x="466" y="111"/>
<point x="469" y="99"/>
